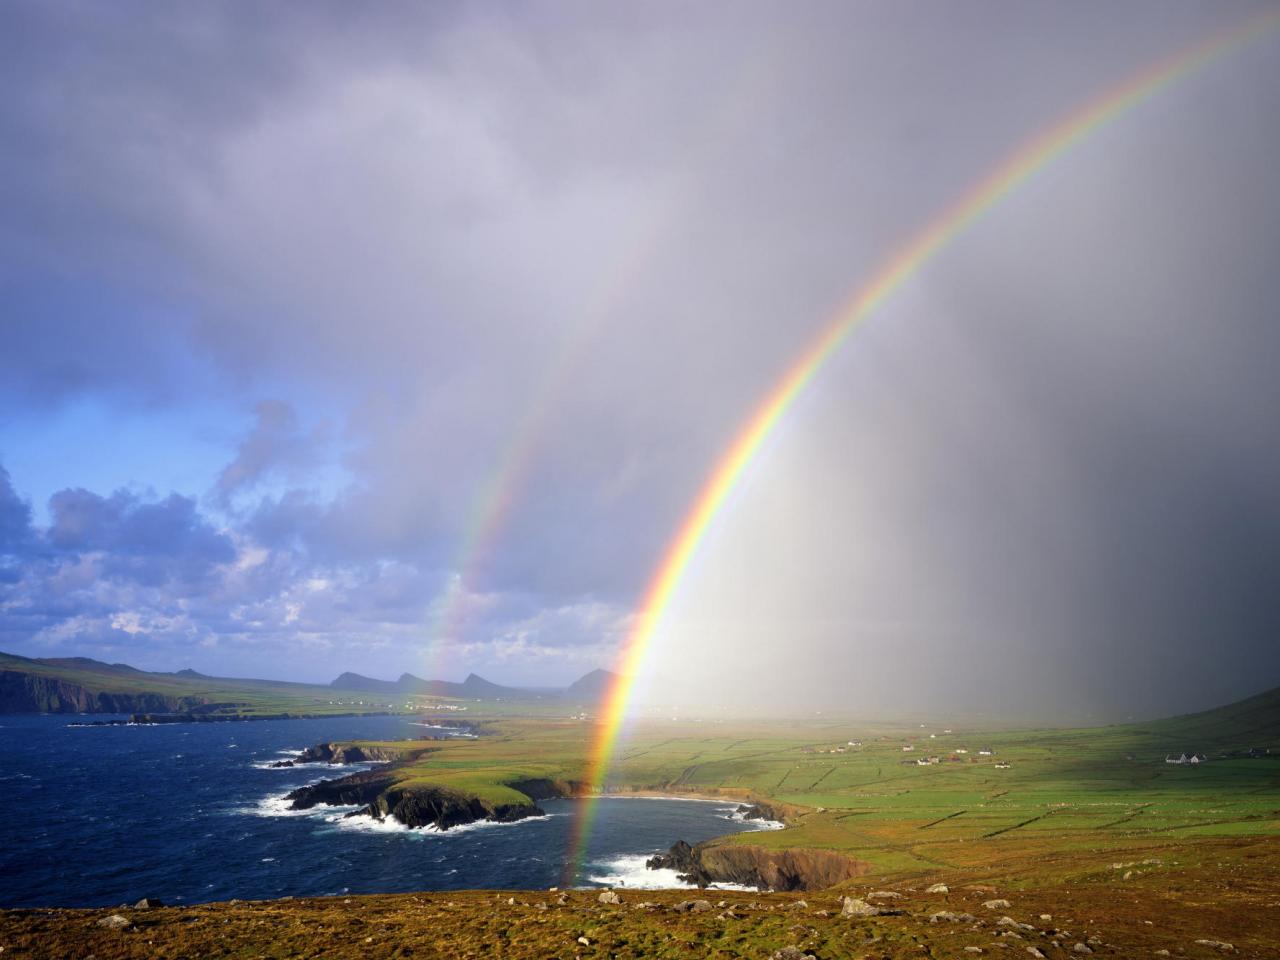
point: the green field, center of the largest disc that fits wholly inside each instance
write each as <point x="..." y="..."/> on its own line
<point x="1078" y="798"/>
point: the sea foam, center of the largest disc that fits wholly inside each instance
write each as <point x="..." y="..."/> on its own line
<point x="629" y="872"/>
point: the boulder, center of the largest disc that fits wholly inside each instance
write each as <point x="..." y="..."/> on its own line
<point x="997" y="904"/>
<point x="938" y="888"/>
<point x="1082" y="948"/>
<point x="1010" y="922"/>
<point x="116" y="922"/>
<point x="147" y="903"/>
<point x="792" y="953"/>
<point x="853" y="907"/>
<point x="884" y="895"/>
<point x="609" y="897"/>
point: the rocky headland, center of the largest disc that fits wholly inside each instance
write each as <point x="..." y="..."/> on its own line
<point x="394" y="792"/>
<point x="745" y="864"/>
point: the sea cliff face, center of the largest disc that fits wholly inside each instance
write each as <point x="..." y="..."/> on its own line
<point x="760" y="867"/>
<point x="26" y="693"/>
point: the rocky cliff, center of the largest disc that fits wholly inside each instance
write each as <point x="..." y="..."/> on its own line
<point x="28" y="693"/>
<point x="759" y="867"/>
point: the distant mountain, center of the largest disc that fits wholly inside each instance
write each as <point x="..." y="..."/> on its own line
<point x="593" y="686"/>
<point x="354" y="681"/>
<point x="475" y="687"/>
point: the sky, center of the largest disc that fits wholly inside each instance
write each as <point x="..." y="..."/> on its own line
<point x="402" y="338"/>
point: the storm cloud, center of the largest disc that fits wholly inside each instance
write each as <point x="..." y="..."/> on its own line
<point x="412" y="262"/>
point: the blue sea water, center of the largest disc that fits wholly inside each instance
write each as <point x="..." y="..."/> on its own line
<point x="97" y="816"/>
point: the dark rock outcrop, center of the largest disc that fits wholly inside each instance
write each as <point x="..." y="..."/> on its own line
<point x="442" y="808"/>
<point x="379" y="795"/>
<point x="340" y="753"/>
<point x="358" y="788"/>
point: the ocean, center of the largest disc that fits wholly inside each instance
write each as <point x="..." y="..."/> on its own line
<point x="187" y="813"/>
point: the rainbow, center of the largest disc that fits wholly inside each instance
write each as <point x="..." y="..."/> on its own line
<point x="1019" y="167"/>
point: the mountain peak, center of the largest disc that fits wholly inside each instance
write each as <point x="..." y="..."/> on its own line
<point x="594" y="685"/>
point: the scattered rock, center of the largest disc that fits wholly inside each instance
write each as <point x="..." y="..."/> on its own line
<point x="1082" y="948"/>
<point x="645" y="905"/>
<point x="1218" y="945"/>
<point x="693" y="906"/>
<point x="798" y="905"/>
<point x="997" y="904"/>
<point x="540" y="906"/>
<point x="885" y="894"/>
<point x="584" y="941"/>
<point x="1162" y="953"/>
<point x="938" y="888"/>
<point x="1010" y="922"/>
<point x="973" y="950"/>
<point x="116" y="922"/>
<point x="853" y="907"/>
<point x="946" y="916"/>
<point x="1035" y="952"/>
<point x="1046" y="916"/>
<point x="609" y="897"/>
<point x="146" y="903"/>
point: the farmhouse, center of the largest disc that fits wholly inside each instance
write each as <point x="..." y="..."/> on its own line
<point x="908" y="748"/>
<point x="1186" y="758"/>
<point x="986" y="752"/>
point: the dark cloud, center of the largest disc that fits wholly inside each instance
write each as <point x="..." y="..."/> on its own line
<point x="15" y="518"/>
<point x="552" y="257"/>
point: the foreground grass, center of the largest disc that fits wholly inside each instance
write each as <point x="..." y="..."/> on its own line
<point x="1225" y="890"/>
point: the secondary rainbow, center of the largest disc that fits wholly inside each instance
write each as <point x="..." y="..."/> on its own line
<point x="515" y="464"/>
<point x="1014" y="171"/>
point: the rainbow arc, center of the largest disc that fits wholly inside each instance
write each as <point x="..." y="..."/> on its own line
<point x="1013" y="172"/>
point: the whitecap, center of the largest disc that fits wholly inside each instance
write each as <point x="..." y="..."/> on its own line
<point x="277" y="806"/>
<point x="630" y="871"/>
<point x="392" y="825"/>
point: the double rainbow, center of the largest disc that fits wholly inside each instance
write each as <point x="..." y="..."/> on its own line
<point x="1013" y="172"/>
